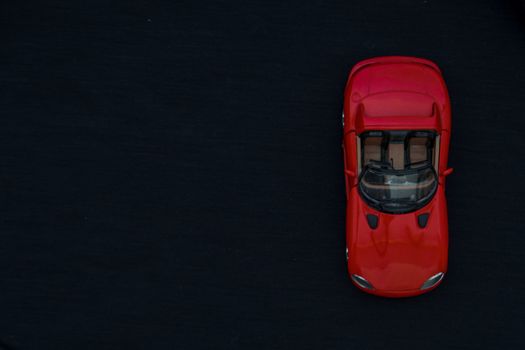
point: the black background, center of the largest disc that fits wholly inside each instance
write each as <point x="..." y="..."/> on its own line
<point x="171" y="174"/>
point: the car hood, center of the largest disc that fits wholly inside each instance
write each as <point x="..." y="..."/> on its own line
<point x="398" y="254"/>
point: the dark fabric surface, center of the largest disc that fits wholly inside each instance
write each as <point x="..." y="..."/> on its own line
<point x="172" y="178"/>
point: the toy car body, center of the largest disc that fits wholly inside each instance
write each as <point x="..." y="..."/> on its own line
<point x="396" y="122"/>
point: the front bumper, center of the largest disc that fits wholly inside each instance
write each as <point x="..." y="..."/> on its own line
<point x="396" y="293"/>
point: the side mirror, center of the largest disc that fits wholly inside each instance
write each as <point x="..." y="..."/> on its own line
<point x="350" y="173"/>
<point x="447" y="172"/>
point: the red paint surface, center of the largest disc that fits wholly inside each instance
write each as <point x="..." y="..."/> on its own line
<point x="396" y="93"/>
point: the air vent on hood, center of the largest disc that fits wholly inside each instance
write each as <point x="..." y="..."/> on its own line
<point x="422" y="220"/>
<point x="373" y="220"/>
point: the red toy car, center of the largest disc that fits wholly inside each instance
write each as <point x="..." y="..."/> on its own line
<point x="396" y="122"/>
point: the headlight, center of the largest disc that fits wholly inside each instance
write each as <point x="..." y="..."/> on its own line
<point x="432" y="281"/>
<point x="362" y="282"/>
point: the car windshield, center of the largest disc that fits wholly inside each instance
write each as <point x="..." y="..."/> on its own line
<point x="398" y="173"/>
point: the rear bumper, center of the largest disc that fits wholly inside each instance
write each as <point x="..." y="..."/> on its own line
<point x="394" y="59"/>
<point x="391" y="59"/>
